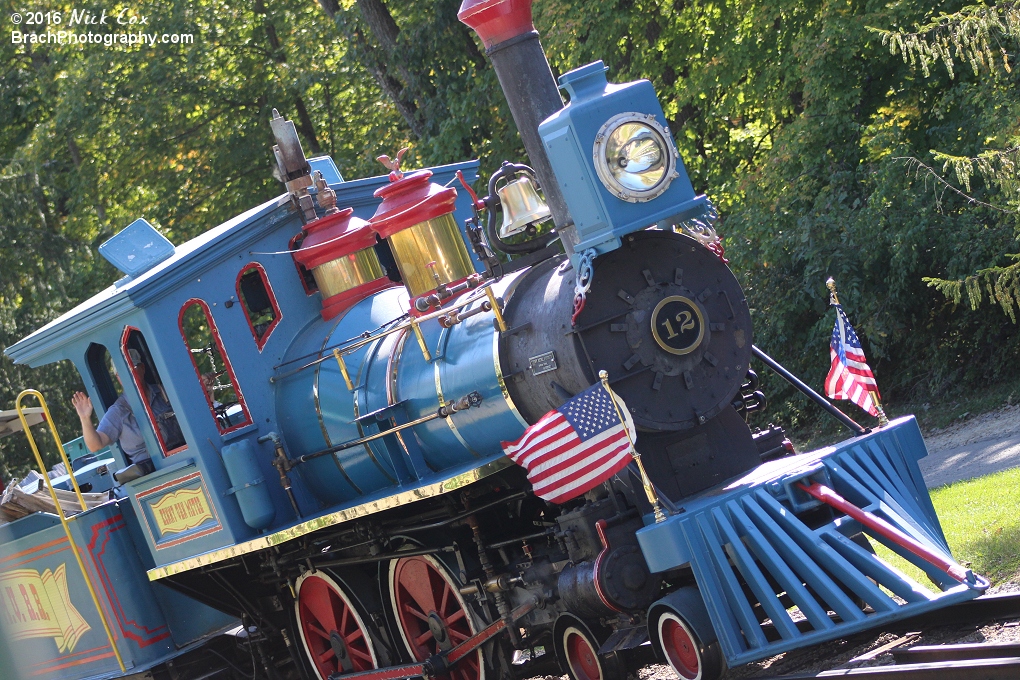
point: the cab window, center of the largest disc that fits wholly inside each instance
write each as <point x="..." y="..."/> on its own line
<point x="212" y="368"/>
<point x="258" y="302"/>
<point x="100" y="364"/>
<point x="147" y="380"/>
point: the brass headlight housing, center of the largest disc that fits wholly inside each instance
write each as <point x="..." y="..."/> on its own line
<point x="635" y="157"/>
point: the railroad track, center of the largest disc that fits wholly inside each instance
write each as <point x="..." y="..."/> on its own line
<point x="985" y="661"/>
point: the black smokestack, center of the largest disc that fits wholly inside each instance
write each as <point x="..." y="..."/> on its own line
<point x="512" y="43"/>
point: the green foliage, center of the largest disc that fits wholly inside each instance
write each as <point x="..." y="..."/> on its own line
<point x="968" y="35"/>
<point x="981" y="521"/>
<point x="789" y="113"/>
<point x="1001" y="283"/>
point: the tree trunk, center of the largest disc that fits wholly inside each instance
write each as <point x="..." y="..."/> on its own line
<point x="305" y="125"/>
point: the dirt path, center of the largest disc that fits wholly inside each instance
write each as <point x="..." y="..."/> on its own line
<point x="973" y="448"/>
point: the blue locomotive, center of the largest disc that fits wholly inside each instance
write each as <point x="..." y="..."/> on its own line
<point x="323" y="384"/>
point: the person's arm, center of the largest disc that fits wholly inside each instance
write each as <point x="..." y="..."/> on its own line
<point x="94" y="439"/>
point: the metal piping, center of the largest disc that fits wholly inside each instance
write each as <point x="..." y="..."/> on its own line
<point x="857" y="428"/>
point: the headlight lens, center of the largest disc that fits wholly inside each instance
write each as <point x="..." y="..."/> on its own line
<point x="634" y="157"/>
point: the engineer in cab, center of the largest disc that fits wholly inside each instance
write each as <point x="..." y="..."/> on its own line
<point x="119" y="424"/>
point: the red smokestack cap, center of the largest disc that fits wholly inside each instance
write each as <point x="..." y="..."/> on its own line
<point x="497" y="21"/>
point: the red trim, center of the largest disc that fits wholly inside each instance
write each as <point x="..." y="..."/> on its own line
<point x="496" y="21"/>
<point x="69" y="656"/>
<point x="600" y="527"/>
<point x="167" y="485"/>
<point x="410" y="200"/>
<point x="190" y="537"/>
<point x="301" y="271"/>
<point x="140" y="386"/>
<point x="79" y="662"/>
<point x="145" y="636"/>
<point x="332" y="237"/>
<point x="29" y="560"/>
<point x="880" y="526"/>
<point x="180" y="481"/>
<point x="260" y="343"/>
<point x="226" y="362"/>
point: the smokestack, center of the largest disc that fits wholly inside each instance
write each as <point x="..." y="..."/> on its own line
<point x="511" y="43"/>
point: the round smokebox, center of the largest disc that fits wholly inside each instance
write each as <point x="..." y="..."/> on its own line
<point x="669" y="322"/>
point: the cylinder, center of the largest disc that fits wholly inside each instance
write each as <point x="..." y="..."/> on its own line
<point x="348" y="272"/>
<point x="431" y="250"/>
<point x="416" y="219"/>
<point x="339" y="250"/>
<point x="512" y="44"/>
<point x="248" y="484"/>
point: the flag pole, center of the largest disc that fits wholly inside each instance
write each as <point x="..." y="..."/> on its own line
<point x="653" y="497"/>
<point x="830" y="283"/>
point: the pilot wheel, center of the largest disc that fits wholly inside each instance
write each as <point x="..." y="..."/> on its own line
<point x="332" y="631"/>
<point x="577" y="650"/>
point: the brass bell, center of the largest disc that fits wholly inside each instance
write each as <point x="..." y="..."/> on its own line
<point x="521" y="206"/>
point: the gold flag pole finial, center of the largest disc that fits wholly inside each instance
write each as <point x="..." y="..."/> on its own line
<point x="653" y="497"/>
<point x="830" y="283"/>
<point x="883" y="420"/>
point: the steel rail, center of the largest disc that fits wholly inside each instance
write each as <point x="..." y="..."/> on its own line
<point x="933" y="653"/>
<point x="971" y="669"/>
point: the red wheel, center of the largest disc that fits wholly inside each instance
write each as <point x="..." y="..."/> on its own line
<point x="333" y="633"/>
<point x="680" y="647"/>
<point x="581" y="656"/>
<point x="431" y="614"/>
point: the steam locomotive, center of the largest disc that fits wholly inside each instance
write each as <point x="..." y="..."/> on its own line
<point x="340" y="366"/>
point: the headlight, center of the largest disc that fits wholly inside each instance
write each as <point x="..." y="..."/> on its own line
<point x="635" y="157"/>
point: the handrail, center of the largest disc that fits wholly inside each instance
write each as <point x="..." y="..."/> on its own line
<point x="60" y="511"/>
<point x="56" y="440"/>
<point x="413" y="323"/>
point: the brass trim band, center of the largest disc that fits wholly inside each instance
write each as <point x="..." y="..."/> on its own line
<point x="332" y="519"/>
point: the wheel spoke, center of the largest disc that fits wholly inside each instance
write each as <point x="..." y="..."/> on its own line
<point x="323" y="608"/>
<point x="457" y="635"/>
<point x="312" y="628"/>
<point x="422" y="589"/>
<point x="343" y="619"/>
<point x="414" y="611"/>
<point x="446" y="598"/>
<point x="319" y="607"/>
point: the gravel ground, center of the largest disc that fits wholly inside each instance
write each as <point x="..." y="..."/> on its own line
<point x="995" y="424"/>
<point x="973" y="448"/>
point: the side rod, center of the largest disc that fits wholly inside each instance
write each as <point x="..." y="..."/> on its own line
<point x="856" y="427"/>
<point x="439" y="664"/>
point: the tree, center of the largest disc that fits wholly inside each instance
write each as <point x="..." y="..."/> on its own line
<point x="977" y="35"/>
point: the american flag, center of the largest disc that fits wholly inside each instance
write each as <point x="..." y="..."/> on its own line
<point x="849" y="377"/>
<point x="575" y="447"/>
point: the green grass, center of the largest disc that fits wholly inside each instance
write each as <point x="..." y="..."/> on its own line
<point x="981" y="520"/>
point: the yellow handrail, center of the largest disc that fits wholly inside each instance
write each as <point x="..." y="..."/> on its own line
<point x="60" y="511"/>
<point x="56" y="440"/>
